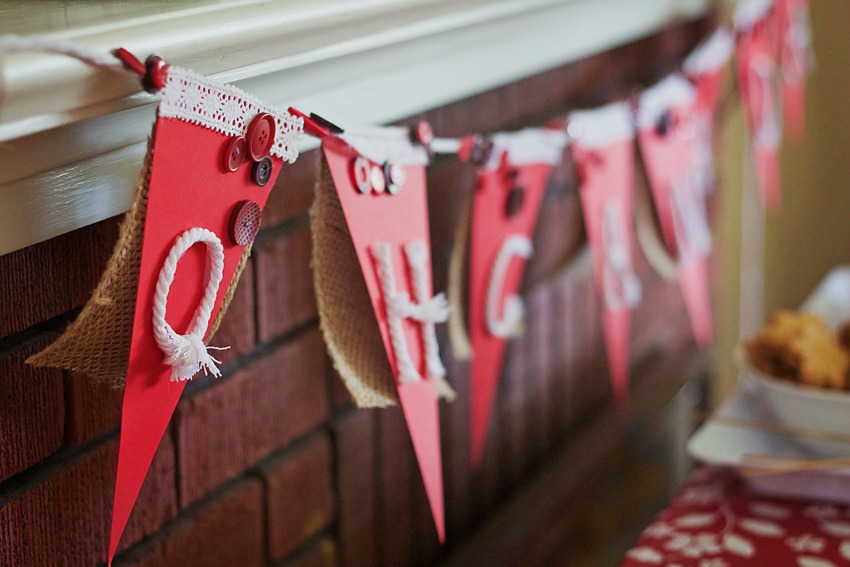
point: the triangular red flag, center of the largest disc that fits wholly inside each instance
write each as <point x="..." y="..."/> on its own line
<point x="602" y="145"/>
<point x="506" y="202"/>
<point x="216" y="152"/>
<point x="379" y="175"/>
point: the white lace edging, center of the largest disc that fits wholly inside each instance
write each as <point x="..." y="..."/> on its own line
<point x="711" y="54"/>
<point x="191" y="97"/>
<point x="601" y="126"/>
<point x="674" y="90"/>
<point x="527" y="146"/>
<point x="749" y="12"/>
<point x="382" y="144"/>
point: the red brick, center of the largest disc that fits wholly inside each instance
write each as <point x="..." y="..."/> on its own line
<point x="65" y="520"/>
<point x="32" y="410"/>
<point x="322" y="553"/>
<point x="227" y="428"/>
<point x="357" y="487"/>
<point x="285" y="296"/>
<point x="52" y="277"/>
<point x="225" y="532"/>
<point x="397" y="463"/>
<point x="293" y="192"/>
<point x="91" y="408"/>
<point x="299" y="496"/>
<point x="237" y="329"/>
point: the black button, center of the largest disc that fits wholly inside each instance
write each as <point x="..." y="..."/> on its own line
<point x="516" y="197"/>
<point x="261" y="171"/>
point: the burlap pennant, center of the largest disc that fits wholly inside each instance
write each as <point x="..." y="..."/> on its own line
<point x="379" y="220"/>
<point x="506" y="202"/>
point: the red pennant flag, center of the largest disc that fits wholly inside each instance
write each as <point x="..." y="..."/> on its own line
<point x="796" y="57"/>
<point x="216" y="153"/>
<point x="666" y="133"/>
<point x="757" y="80"/>
<point x="508" y="193"/>
<point x="602" y="145"/>
<point x="705" y="68"/>
<point x="379" y="176"/>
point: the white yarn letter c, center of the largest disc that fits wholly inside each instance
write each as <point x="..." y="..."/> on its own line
<point x="515" y="245"/>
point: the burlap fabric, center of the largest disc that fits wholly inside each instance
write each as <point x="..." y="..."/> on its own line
<point x="97" y="343"/>
<point x="347" y="320"/>
<point x="458" y="286"/>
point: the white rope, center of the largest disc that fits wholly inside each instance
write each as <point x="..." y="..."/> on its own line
<point x="19" y="43"/>
<point x="621" y="287"/>
<point x="187" y="353"/>
<point x="427" y="311"/>
<point x="513" y="311"/>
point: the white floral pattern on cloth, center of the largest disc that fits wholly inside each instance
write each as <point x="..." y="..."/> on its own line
<point x="715" y="522"/>
<point x="193" y="98"/>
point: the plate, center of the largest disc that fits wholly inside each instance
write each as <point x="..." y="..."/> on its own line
<point x="731" y="445"/>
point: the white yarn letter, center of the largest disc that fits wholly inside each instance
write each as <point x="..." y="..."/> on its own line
<point x="187" y="354"/>
<point x="514" y="245"/>
<point x="426" y="311"/>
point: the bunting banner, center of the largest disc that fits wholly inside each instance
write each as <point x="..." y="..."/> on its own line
<point x="373" y="189"/>
<point x="602" y="146"/>
<point x="758" y="73"/>
<point x="797" y="59"/>
<point x="666" y="135"/>
<point x="505" y="204"/>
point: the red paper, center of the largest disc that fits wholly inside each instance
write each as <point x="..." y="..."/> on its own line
<point x="795" y="42"/>
<point x="669" y="155"/>
<point x="188" y="188"/>
<point x="495" y="233"/>
<point x="606" y="177"/>
<point x="757" y="80"/>
<point x="398" y="220"/>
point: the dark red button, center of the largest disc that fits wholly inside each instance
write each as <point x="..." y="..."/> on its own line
<point x="516" y="197"/>
<point x="245" y="222"/>
<point x="261" y="136"/>
<point x="234" y="153"/>
<point x="261" y="171"/>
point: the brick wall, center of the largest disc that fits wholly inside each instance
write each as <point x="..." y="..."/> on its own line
<point x="271" y="464"/>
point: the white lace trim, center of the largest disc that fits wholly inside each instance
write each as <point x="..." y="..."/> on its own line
<point x="750" y="12"/>
<point x="711" y="54"/>
<point x="601" y="126"/>
<point x="191" y="97"/>
<point x="530" y="145"/>
<point x="674" y="90"/>
<point x="386" y="143"/>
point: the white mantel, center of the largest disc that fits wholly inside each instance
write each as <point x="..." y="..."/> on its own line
<point x="72" y="138"/>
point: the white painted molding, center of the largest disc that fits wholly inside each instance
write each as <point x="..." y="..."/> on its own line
<point x="72" y="138"/>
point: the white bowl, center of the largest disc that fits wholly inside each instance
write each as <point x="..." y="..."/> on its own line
<point x="804" y="407"/>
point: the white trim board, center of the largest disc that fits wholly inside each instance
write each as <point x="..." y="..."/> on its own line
<point x="72" y="138"/>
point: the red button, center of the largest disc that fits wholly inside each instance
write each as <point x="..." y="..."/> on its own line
<point x="361" y="172"/>
<point x="245" y="222"/>
<point x="424" y="133"/>
<point x="261" y="136"/>
<point x="234" y="153"/>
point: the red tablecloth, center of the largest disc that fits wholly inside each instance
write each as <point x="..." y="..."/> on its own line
<point x="715" y="522"/>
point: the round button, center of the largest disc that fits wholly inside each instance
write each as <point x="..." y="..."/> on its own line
<point x="361" y="169"/>
<point x="234" y="153"/>
<point x="377" y="179"/>
<point x="245" y="222"/>
<point x="395" y="176"/>
<point x="516" y="197"/>
<point x="663" y="124"/>
<point x="261" y="136"/>
<point x="481" y="150"/>
<point x="424" y="133"/>
<point x="261" y="171"/>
